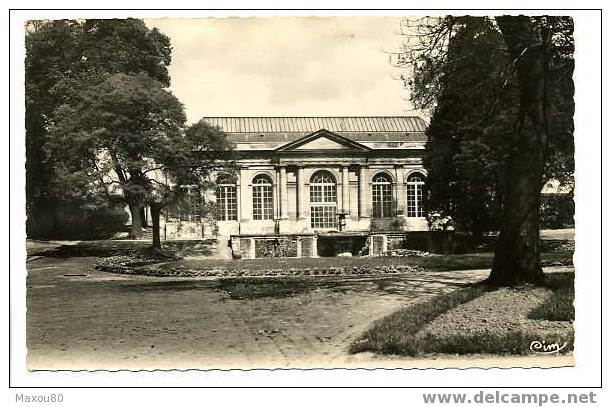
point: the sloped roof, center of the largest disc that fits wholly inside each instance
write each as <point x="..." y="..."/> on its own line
<point x="363" y="137"/>
<point x="337" y="124"/>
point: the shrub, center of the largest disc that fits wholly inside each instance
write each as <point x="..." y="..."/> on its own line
<point x="275" y="248"/>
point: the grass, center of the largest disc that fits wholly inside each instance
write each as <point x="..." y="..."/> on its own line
<point x="496" y="342"/>
<point x="477" y="320"/>
<point x="396" y="333"/>
<point x="559" y="307"/>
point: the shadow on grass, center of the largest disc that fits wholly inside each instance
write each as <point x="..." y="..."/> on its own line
<point x="396" y="333"/>
<point x="290" y="286"/>
<point x="92" y="249"/>
<point x="559" y="307"/>
<point x="402" y="332"/>
<point x="108" y="248"/>
<point x="239" y="289"/>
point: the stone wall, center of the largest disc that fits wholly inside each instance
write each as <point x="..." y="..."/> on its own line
<point x="261" y="246"/>
<point x="183" y="231"/>
<point x="377" y="244"/>
<point x="434" y="242"/>
<point x="251" y="247"/>
<point x="279" y="247"/>
<point x="308" y="247"/>
<point x="258" y="227"/>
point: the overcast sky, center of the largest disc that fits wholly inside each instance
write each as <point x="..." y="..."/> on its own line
<point x="298" y="66"/>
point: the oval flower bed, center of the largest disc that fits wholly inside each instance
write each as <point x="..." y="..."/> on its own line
<point x="137" y="266"/>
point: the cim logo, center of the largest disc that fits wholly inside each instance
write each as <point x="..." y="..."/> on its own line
<point x="544" y="347"/>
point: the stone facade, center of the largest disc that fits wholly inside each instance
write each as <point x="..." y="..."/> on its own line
<point x="306" y="176"/>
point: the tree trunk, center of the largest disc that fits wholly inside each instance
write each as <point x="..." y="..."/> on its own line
<point x="155" y="214"/>
<point x="477" y="229"/>
<point x="136" y="229"/>
<point x="143" y="217"/>
<point x="517" y="259"/>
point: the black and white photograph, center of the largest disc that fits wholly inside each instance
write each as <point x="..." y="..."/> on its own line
<point x="302" y="191"/>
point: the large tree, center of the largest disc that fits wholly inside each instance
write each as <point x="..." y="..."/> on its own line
<point x="128" y="134"/>
<point x="63" y="59"/>
<point x="536" y="47"/>
<point x="500" y="92"/>
<point x="463" y="155"/>
<point x="120" y="132"/>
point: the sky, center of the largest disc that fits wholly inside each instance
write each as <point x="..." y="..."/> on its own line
<point x="285" y="66"/>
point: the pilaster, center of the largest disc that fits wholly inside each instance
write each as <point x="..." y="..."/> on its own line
<point x="345" y="190"/>
<point x="301" y="194"/>
<point x="401" y="190"/>
<point x="245" y="199"/>
<point x="284" y="193"/>
<point x="364" y="201"/>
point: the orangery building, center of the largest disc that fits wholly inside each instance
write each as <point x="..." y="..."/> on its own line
<point x="310" y="186"/>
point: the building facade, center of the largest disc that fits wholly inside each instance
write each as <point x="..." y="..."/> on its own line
<point x="306" y="177"/>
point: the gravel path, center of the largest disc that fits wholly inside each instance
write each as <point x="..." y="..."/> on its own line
<point x="78" y="318"/>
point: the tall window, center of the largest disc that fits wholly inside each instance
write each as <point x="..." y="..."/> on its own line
<point x="323" y="201"/>
<point x="382" y="196"/>
<point x="226" y="200"/>
<point x="262" y="198"/>
<point x="415" y="185"/>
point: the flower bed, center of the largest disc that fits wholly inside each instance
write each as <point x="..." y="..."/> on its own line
<point x="150" y="267"/>
<point x="405" y="253"/>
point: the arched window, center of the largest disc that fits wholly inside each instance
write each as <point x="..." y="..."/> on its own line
<point x="382" y="196"/>
<point x="226" y="200"/>
<point x="415" y="185"/>
<point x="323" y="201"/>
<point x="262" y="198"/>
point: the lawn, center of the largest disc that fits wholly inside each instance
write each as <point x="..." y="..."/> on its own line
<point x="559" y="307"/>
<point x="478" y="320"/>
<point x="397" y="333"/>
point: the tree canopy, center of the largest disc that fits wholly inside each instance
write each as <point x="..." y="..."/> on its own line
<point x="128" y="132"/>
<point x="465" y="81"/>
<point x="102" y="123"/>
<point x="63" y="59"/>
<point x="500" y="93"/>
<point x="128" y="125"/>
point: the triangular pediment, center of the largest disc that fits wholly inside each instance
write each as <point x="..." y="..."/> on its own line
<point x="322" y="143"/>
<point x="323" y="140"/>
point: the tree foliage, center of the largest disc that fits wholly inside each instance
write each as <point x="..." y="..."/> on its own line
<point x="127" y="134"/>
<point x="501" y="95"/>
<point x="101" y="123"/>
<point x="128" y="125"/>
<point x="461" y="72"/>
<point x="63" y="59"/>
